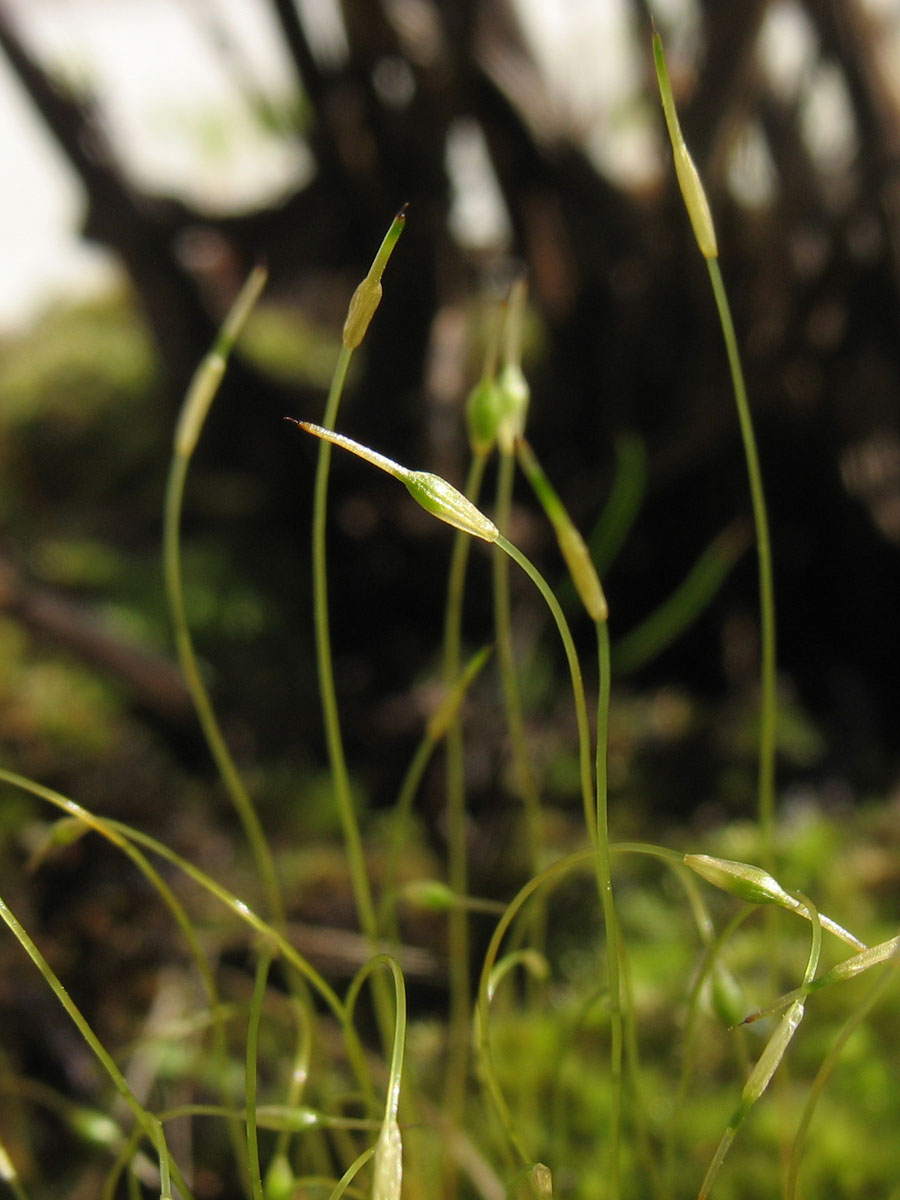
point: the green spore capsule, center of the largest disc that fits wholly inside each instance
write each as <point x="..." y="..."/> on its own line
<point x="514" y="398"/>
<point x="208" y="376"/>
<point x="741" y="879"/>
<point x="688" y="177"/>
<point x="571" y="544"/>
<point x="483" y="409"/>
<point x="582" y="570"/>
<point x="388" y="1170"/>
<point x="446" y="502"/>
<point x="367" y="297"/>
<point x="429" y="894"/>
<point x="433" y="493"/>
<point x="515" y="393"/>
<point x="279" y="1183"/>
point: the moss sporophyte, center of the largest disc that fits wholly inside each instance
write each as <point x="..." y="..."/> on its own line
<point x="688" y="177"/>
<point x="367" y="297"/>
<point x="433" y="493"/>
<point x="701" y="220"/>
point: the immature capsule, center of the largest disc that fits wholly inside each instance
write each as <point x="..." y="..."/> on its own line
<point x="483" y="415"/>
<point x="388" y="1171"/>
<point x="515" y="394"/>
<point x="446" y="502"/>
<point x="433" y="493"/>
<point x="688" y="177"/>
<point x="367" y="296"/>
<point x="741" y="879"/>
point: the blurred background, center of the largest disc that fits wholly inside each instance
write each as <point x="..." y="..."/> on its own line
<point x="154" y="150"/>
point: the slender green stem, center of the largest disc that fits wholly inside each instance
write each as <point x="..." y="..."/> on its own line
<point x="147" y="1122"/>
<point x="343" y="795"/>
<point x="299" y="1076"/>
<point x="512" y="697"/>
<point x="488" y="1071"/>
<point x="847" y="969"/>
<point x="768" y="681"/>
<point x="824" y="1072"/>
<point x="388" y="1165"/>
<point x="596" y="818"/>
<point x="581" y="713"/>
<point x="395" y="1076"/>
<point x="456" y="582"/>
<point x="610" y="919"/>
<point x="123" y="1159"/>
<point x="364" y="302"/>
<point x="350" y="1174"/>
<point x="771" y="1057"/>
<point x="522" y="763"/>
<point x="353" y="845"/>
<point x="457" y="865"/>
<point x="251" y="1078"/>
<point x="123" y="836"/>
<point x="194" y="410"/>
<point x="179" y="915"/>
<point x="225" y="764"/>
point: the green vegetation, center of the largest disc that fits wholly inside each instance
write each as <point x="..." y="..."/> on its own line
<point x="632" y="1027"/>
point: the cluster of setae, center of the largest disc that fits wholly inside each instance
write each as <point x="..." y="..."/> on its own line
<point x="406" y="1134"/>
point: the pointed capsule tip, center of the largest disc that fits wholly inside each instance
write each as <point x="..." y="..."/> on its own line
<point x="307" y="426"/>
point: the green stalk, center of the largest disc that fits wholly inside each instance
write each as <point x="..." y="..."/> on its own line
<point x="770" y="1059"/>
<point x="768" y="681"/>
<point x="581" y="713"/>
<point x="457" y="864"/>
<point x="228" y="771"/>
<point x="847" y="969"/>
<point x="444" y="501"/>
<point x="359" y="878"/>
<point x="523" y="767"/>
<point x="823" y="1074"/>
<point x="125" y="837"/>
<point x="395" y="1074"/>
<point x="251" y="1077"/>
<point x="177" y="911"/>
<point x="590" y="591"/>
<point x="610" y="919"/>
<point x="149" y="1124"/>
<point x="488" y="1071"/>
<point x="363" y="304"/>
<point x="280" y="1167"/>
<point x="512" y="698"/>
<point x="350" y="1174"/>
<point x="698" y="210"/>
<point x="193" y="414"/>
<point x="388" y="1165"/>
